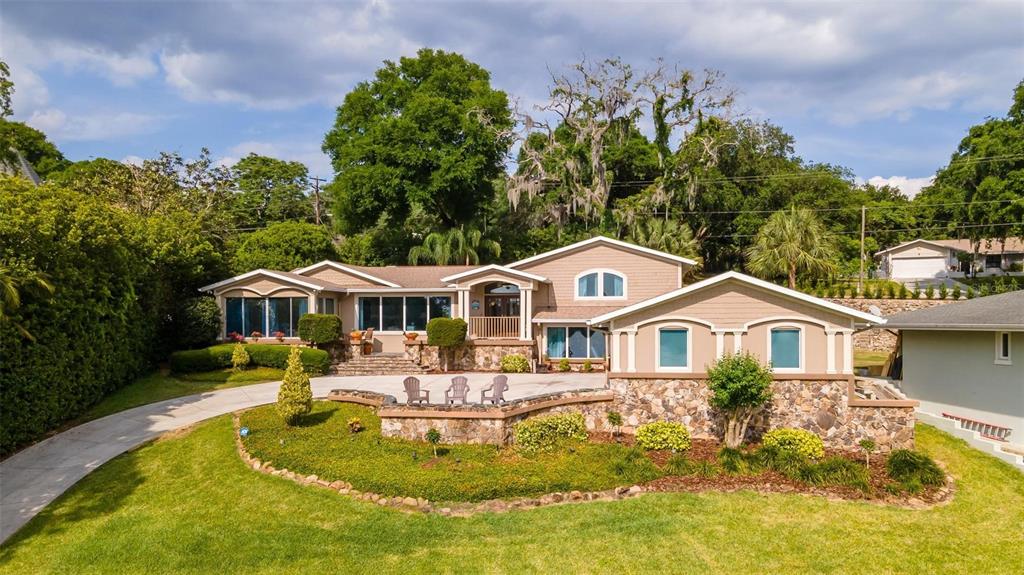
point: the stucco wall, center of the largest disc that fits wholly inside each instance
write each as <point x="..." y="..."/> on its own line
<point x="951" y="371"/>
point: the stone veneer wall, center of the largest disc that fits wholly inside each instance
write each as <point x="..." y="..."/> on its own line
<point x="818" y="406"/>
<point x="474" y="356"/>
<point x="881" y="339"/>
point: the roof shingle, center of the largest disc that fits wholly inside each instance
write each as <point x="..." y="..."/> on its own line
<point x="1002" y="311"/>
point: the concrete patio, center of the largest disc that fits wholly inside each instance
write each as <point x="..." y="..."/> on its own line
<point x="35" y="476"/>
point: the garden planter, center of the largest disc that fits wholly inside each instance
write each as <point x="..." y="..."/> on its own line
<point x="411" y="336"/>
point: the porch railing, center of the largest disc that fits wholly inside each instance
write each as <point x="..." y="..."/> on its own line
<point x="494" y="327"/>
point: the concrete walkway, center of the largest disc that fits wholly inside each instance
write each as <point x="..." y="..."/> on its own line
<point x="32" y="478"/>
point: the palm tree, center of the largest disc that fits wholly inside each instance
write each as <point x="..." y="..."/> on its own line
<point x="11" y="289"/>
<point x="669" y="236"/>
<point x="454" y="245"/>
<point x="789" y="242"/>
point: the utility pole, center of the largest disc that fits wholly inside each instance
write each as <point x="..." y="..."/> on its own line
<point x="316" y="196"/>
<point x="860" y="282"/>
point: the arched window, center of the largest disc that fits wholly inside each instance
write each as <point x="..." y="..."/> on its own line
<point x="600" y="284"/>
<point x="785" y="348"/>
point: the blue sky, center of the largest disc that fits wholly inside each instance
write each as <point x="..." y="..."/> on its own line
<point x="885" y="88"/>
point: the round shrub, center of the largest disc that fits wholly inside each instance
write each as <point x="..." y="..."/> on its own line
<point x="913" y="467"/>
<point x="446" y="331"/>
<point x="320" y="328"/>
<point x="544" y="433"/>
<point x="798" y="441"/>
<point x="514" y="363"/>
<point x="663" y="435"/>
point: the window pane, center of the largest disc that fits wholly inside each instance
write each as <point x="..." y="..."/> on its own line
<point x="786" y="348"/>
<point x="369" y="313"/>
<point x="578" y="342"/>
<point x="325" y="305"/>
<point x="612" y="285"/>
<point x="280" y="309"/>
<point x="1004" y="345"/>
<point x="233" y="316"/>
<point x="300" y="307"/>
<point x="673" y="344"/>
<point x="415" y="313"/>
<point x="391" y="314"/>
<point x="440" y="306"/>
<point x="556" y="342"/>
<point x="587" y="286"/>
<point x="597" y="344"/>
<point x="253" y="314"/>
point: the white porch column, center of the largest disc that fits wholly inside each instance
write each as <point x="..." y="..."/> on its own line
<point x="737" y="343"/>
<point x="464" y="304"/>
<point x="525" y="314"/>
<point x="848" y="351"/>
<point x="616" y="338"/>
<point x="719" y="344"/>
<point x="830" y="350"/>
<point x="631" y="350"/>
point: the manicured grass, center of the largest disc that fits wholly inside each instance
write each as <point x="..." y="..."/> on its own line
<point x="160" y="386"/>
<point x="866" y="358"/>
<point x="323" y="446"/>
<point x="188" y="505"/>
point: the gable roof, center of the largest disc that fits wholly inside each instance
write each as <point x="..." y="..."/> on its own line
<point x="910" y="243"/>
<point x="1004" y="311"/>
<point x="767" y="286"/>
<point x="494" y="268"/>
<point x="607" y="241"/>
<point x="988" y="246"/>
<point x="287" y="277"/>
<point x="345" y="269"/>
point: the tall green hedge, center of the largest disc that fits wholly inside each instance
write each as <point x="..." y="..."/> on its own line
<point x="446" y="332"/>
<point x="320" y="328"/>
<point x="314" y="361"/>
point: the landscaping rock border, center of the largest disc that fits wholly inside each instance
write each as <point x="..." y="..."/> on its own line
<point x="419" y="505"/>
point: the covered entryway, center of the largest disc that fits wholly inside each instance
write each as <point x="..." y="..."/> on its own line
<point x="914" y="268"/>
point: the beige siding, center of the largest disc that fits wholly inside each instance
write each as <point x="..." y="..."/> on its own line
<point x="338" y="277"/>
<point x="646" y="276"/>
<point x="256" y="286"/>
<point x="919" y="251"/>
<point x="700" y="339"/>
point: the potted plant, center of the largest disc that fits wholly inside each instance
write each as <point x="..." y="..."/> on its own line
<point x="256" y="335"/>
<point x="279" y="335"/>
<point x="355" y="335"/>
<point x="410" y="335"/>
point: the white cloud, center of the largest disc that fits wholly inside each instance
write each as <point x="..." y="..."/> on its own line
<point x="309" y="154"/>
<point x="132" y="160"/>
<point x="58" y="125"/>
<point x="908" y="186"/>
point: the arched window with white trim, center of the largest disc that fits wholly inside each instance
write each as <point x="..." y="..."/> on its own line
<point x="601" y="284"/>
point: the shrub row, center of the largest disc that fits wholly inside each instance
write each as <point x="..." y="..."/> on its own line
<point x="545" y="433"/>
<point x="314" y="361"/>
<point x="891" y="290"/>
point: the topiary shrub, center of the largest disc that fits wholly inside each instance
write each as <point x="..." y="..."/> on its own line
<point x="943" y="291"/>
<point x="588" y="366"/>
<point x="956" y="292"/>
<point x="912" y="470"/>
<point x="564" y="365"/>
<point x="239" y="357"/>
<point x="798" y="441"/>
<point x="545" y="433"/>
<point x="295" y="397"/>
<point x="663" y="435"/>
<point x="741" y="386"/>
<point x="929" y="292"/>
<point x="446" y="333"/>
<point x="197" y="323"/>
<point x="514" y="363"/>
<point x="320" y="328"/>
<point x="314" y="361"/>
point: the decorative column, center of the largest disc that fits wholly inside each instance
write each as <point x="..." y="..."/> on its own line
<point x="631" y="350"/>
<point x="526" y="313"/>
<point x="464" y="303"/>
<point x="847" y="351"/>
<point x="616" y="337"/>
<point x="719" y="343"/>
<point x="830" y="350"/>
<point x="737" y="343"/>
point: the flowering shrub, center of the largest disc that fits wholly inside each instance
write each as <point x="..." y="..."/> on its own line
<point x="514" y="363"/>
<point x="544" y="433"/>
<point x="256" y="335"/>
<point x="798" y="441"/>
<point x="279" y="335"/>
<point x="663" y="435"/>
<point x="236" y="337"/>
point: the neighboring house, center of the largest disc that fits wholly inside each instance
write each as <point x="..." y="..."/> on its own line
<point x="562" y="304"/>
<point x="921" y="259"/>
<point x="965" y="361"/>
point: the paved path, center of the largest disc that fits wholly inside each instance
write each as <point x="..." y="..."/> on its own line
<point x="32" y="478"/>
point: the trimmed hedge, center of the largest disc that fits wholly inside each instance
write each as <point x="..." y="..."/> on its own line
<point x="314" y="361"/>
<point x="663" y="435"/>
<point x="514" y="363"/>
<point x="798" y="441"/>
<point x="545" y="433"/>
<point x="446" y="331"/>
<point x="320" y="328"/>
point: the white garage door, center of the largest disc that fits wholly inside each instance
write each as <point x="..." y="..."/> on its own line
<point x="912" y="268"/>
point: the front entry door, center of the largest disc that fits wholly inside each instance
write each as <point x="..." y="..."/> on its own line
<point x="501" y="305"/>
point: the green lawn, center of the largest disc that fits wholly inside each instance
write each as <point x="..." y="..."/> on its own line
<point x="324" y="447"/>
<point x="866" y="358"/>
<point x="159" y="386"/>
<point x="187" y="504"/>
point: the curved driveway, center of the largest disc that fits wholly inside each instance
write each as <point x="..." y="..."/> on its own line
<point x="35" y="476"/>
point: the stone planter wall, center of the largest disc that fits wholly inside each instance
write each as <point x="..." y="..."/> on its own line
<point x="818" y="406"/>
<point x="473" y="356"/>
<point x="881" y="339"/>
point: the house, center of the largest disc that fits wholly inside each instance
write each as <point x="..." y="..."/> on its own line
<point x="965" y="361"/>
<point x="593" y="300"/>
<point x="921" y="259"/>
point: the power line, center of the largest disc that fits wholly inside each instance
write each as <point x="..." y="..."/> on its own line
<point x="890" y="230"/>
<point x="845" y="209"/>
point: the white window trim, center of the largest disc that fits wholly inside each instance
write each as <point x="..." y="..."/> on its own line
<point x="689" y="349"/>
<point x="600" y="285"/>
<point x="590" y="333"/>
<point x="1000" y="359"/>
<point x="380" y="311"/>
<point x="802" y="345"/>
<point x="265" y="328"/>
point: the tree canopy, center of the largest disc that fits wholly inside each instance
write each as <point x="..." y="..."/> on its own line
<point x="270" y="190"/>
<point x="284" y="246"/>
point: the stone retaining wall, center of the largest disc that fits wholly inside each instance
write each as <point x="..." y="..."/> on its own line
<point x="819" y="406"/>
<point x="881" y="339"/>
<point x="484" y="355"/>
